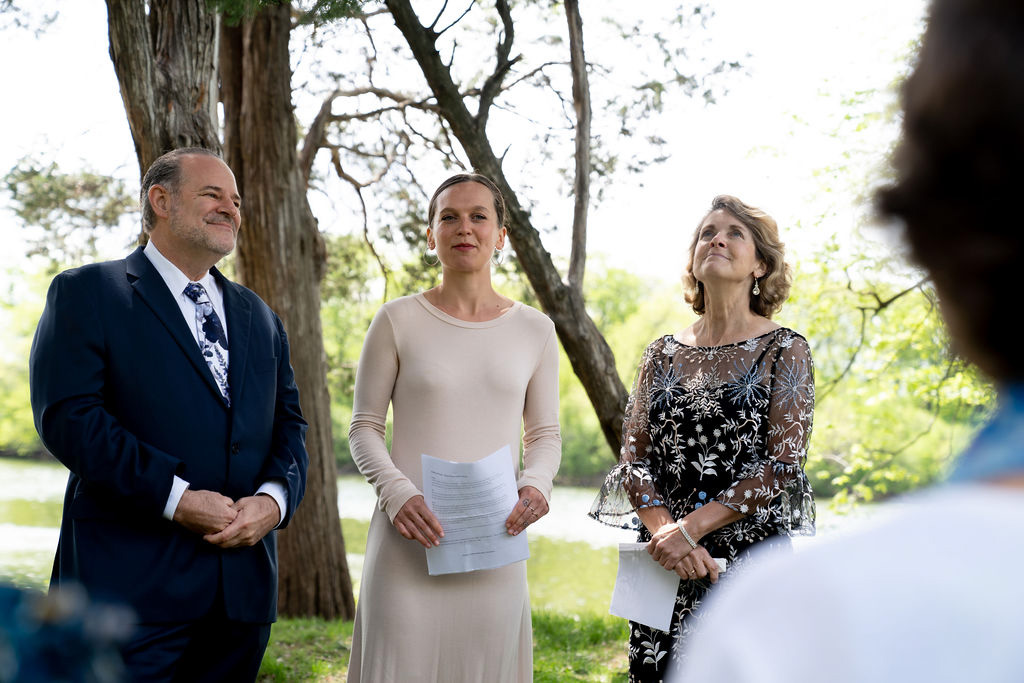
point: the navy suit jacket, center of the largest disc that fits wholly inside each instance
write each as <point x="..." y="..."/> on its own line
<point x="122" y="396"/>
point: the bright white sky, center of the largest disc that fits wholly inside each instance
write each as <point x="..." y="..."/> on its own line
<point x="766" y="141"/>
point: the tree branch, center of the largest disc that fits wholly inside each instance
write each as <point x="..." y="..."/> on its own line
<point x="530" y="74"/>
<point x="422" y="105"/>
<point x="492" y="86"/>
<point x="382" y="93"/>
<point x="894" y="453"/>
<point x="866" y="313"/>
<point x="581" y="186"/>
<point x="457" y="19"/>
<point x="315" y="137"/>
<point x="358" y="187"/>
<point x="885" y="303"/>
<point x="831" y="385"/>
<point x="431" y="142"/>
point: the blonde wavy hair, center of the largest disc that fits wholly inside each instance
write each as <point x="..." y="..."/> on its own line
<point x="778" y="277"/>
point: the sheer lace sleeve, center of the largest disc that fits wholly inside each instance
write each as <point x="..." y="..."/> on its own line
<point x="630" y="486"/>
<point x="773" y="486"/>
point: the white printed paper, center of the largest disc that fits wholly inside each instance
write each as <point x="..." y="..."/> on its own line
<point x="645" y="592"/>
<point x="472" y="500"/>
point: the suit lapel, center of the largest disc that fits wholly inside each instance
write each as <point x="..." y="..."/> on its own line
<point x="239" y="313"/>
<point x="152" y="289"/>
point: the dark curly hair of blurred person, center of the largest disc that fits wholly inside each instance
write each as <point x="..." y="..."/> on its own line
<point x="959" y="165"/>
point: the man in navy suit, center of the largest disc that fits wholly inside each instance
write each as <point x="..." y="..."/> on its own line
<point x="167" y="391"/>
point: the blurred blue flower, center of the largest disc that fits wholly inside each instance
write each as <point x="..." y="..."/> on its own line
<point x="60" y="636"/>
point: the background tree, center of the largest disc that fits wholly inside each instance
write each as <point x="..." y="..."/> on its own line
<point x="894" y="403"/>
<point x="282" y="257"/>
<point x="422" y="106"/>
<point x="68" y="212"/>
<point x="164" y="54"/>
<point x="17" y="15"/>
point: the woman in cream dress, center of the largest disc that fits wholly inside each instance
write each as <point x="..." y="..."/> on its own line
<point x="466" y="372"/>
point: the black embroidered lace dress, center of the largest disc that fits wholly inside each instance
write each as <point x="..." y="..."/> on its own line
<point x="728" y="424"/>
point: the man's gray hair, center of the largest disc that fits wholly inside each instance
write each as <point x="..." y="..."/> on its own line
<point x="165" y="172"/>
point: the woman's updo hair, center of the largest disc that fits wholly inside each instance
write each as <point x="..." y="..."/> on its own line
<point x="499" y="201"/>
<point x="778" y="275"/>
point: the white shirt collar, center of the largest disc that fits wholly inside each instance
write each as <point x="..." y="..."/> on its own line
<point x="175" y="279"/>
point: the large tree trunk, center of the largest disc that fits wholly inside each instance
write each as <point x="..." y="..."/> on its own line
<point x="591" y="357"/>
<point x="282" y="257"/>
<point x="166" y="65"/>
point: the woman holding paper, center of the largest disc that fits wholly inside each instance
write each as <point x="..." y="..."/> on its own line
<point x="466" y="372"/>
<point x="716" y="429"/>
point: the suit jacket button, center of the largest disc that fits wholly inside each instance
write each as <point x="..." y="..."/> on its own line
<point x="235" y="448"/>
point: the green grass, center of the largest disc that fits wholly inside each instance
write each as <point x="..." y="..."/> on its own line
<point x="570" y="577"/>
<point x="40" y="513"/>
<point x="307" y="650"/>
<point x="578" y="648"/>
<point x="354" y="531"/>
<point x="565" y="648"/>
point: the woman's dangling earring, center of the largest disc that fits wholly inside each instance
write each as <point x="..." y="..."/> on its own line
<point x="426" y="258"/>
<point x="497" y="257"/>
<point x="757" y="289"/>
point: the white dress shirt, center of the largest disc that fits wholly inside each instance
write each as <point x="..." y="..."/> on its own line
<point x="176" y="282"/>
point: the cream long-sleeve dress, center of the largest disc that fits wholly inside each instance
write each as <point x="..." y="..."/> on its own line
<point x="460" y="391"/>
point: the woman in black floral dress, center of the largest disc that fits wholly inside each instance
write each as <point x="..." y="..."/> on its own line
<point x="716" y="430"/>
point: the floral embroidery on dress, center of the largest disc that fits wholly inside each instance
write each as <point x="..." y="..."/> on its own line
<point x="703" y="393"/>
<point x="792" y="384"/>
<point x="749" y="385"/>
<point x="726" y="424"/>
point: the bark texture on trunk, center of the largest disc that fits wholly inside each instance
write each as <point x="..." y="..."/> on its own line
<point x="581" y="103"/>
<point x="166" y="66"/>
<point x="282" y="257"/>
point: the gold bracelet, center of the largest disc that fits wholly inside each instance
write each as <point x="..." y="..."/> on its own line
<point x="689" y="539"/>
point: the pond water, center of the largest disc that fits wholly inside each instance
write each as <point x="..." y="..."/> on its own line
<point x="572" y="564"/>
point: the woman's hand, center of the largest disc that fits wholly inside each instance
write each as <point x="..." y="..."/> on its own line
<point x="529" y="509"/>
<point x="416" y="522"/>
<point x="698" y="565"/>
<point x="668" y="547"/>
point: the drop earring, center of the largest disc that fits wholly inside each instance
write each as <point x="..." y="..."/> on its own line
<point x="757" y="289"/>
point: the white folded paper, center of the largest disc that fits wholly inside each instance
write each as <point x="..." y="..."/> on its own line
<point x="645" y="592"/>
<point x="472" y="500"/>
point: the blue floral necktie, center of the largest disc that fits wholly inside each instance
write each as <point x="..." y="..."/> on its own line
<point x="212" y="342"/>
